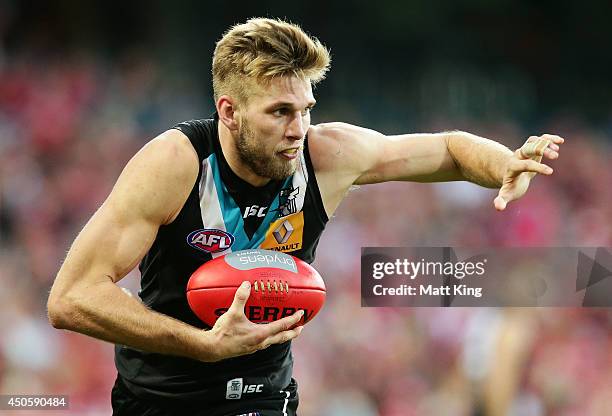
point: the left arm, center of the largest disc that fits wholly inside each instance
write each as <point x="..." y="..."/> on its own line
<point x="450" y="156"/>
<point x="345" y="155"/>
<point x="439" y="157"/>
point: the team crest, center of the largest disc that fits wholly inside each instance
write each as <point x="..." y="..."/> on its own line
<point x="287" y="201"/>
<point x="210" y="240"/>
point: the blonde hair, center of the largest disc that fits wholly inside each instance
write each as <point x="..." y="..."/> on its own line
<point x="262" y="49"/>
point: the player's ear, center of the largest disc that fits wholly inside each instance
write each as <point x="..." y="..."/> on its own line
<point x="226" y="109"/>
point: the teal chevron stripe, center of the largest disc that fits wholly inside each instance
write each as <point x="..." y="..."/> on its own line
<point x="232" y="216"/>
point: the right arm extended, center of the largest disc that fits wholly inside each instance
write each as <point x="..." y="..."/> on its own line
<point x="85" y="298"/>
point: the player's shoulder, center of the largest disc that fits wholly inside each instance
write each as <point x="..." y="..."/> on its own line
<point x="331" y="131"/>
<point x="168" y="159"/>
<point x="174" y="148"/>
<point x="339" y="133"/>
<point x="158" y="178"/>
<point x="335" y="144"/>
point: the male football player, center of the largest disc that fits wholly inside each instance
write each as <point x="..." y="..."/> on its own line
<point x="256" y="165"/>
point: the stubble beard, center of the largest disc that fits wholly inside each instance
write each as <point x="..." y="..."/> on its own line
<point x="261" y="163"/>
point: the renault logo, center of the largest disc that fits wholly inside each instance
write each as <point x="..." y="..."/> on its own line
<point x="283" y="232"/>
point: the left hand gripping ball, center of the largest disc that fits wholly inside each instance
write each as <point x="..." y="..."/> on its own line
<point x="280" y="285"/>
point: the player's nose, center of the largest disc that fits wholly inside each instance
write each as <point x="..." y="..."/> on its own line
<point x="297" y="128"/>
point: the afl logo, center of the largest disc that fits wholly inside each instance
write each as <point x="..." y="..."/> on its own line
<point x="210" y="240"/>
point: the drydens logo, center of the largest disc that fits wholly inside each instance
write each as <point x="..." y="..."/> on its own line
<point x="210" y="240"/>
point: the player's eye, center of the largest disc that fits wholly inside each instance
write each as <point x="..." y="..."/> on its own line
<point x="280" y="112"/>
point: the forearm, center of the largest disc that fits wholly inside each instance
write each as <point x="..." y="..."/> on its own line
<point x="479" y="160"/>
<point x="102" y="310"/>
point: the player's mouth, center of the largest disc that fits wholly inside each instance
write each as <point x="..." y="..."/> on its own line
<point x="290" y="154"/>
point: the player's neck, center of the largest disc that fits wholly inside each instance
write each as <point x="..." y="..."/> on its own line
<point x="230" y="152"/>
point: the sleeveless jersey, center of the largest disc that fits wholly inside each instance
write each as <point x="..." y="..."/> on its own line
<point x="222" y="214"/>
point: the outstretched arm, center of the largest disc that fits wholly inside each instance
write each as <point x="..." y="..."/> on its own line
<point x="346" y="155"/>
<point x="85" y="298"/>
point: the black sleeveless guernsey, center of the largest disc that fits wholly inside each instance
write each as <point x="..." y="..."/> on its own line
<point x="241" y="216"/>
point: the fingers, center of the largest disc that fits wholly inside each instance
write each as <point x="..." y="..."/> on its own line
<point x="536" y="147"/>
<point x="528" y="165"/>
<point x="282" y="337"/>
<point x="550" y="154"/>
<point x="284" y="323"/>
<point x="552" y="151"/>
<point x="504" y="197"/>
<point x="555" y="139"/>
<point x="527" y="159"/>
<point x="535" y="167"/>
<point x="279" y="331"/>
<point x="241" y="297"/>
<point x="500" y="203"/>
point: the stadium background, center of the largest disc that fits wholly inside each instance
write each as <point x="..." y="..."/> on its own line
<point x="84" y="85"/>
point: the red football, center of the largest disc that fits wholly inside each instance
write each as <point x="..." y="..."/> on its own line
<point x="280" y="285"/>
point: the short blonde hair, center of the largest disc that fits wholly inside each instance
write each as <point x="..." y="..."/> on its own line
<point x="262" y="49"/>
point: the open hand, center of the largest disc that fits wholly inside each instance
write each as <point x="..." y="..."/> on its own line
<point x="524" y="165"/>
<point x="235" y="335"/>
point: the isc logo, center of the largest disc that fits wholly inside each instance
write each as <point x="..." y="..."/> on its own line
<point x="210" y="240"/>
<point x="254" y="210"/>
<point x="253" y="388"/>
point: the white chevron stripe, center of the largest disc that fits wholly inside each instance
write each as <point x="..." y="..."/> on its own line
<point x="212" y="216"/>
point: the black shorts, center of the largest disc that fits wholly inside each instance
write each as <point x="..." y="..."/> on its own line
<point x="125" y="403"/>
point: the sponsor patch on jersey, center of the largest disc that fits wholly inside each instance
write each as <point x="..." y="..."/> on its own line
<point x="236" y="389"/>
<point x="285" y="234"/>
<point x="210" y="240"/>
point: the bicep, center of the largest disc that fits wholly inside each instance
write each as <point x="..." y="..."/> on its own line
<point x="146" y="195"/>
<point x="344" y="155"/>
<point x="408" y="157"/>
<point x="110" y="245"/>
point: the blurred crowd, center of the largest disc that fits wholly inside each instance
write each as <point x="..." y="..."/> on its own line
<point x="68" y="126"/>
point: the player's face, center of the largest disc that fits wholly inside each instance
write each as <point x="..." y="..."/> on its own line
<point x="273" y="126"/>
